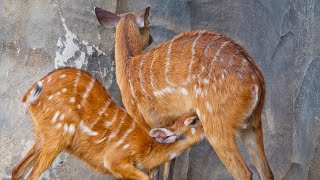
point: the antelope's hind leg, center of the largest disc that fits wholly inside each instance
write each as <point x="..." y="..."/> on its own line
<point x="252" y="138"/>
<point x="221" y="134"/>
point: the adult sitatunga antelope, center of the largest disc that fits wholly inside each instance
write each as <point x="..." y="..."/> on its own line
<point x="195" y="72"/>
<point x="72" y="111"/>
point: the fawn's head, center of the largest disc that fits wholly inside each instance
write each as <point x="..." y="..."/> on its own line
<point x="136" y="24"/>
<point x="184" y="128"/>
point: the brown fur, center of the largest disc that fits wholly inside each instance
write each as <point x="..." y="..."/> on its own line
<point x="107" y="156"/>
<point x="223" y="76"/>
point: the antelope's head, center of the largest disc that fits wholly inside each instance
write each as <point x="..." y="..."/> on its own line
<point x="134" y="27"/>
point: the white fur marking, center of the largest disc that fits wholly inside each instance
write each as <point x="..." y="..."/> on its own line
<point x="61" y="117"/>
<point x="65" y="128"/>
<point x="72" y="129"/>
<point x="206" y="81"/>
<point x="49" y="79"/>
<point x="184" y="91"/>
<point x="58" y="125"/>
<point x="76" y="82"/>
<point x="79" y="106"/>
<point x="89" y="87"/>
<point x="85" y="129"/>
<point x="164" y="91"/>
<point x="114" y="133"/>
<point x="114" y="118"/>
<point x="215" y="57"/>
<point x="193" y="51"/>
<point x="168" y="64"/>
<point x="64" y="90"/>
<point x="50" y="97"/>
<point x="72" y="99"/>
<point x="193" y="131"/>
<point x="63" y="76"/>
<point x="141" y="77"/>
<point x="209" y="107"/>
<point x="101" y="140"/>
<point x="55" y="117"/>
<point x="125" y="146"/>
<point x="125" y="135"/>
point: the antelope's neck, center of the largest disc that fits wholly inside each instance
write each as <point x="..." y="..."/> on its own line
<point x="127" y="45"/>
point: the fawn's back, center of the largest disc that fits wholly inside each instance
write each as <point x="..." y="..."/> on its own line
<point x="74" y="107"/>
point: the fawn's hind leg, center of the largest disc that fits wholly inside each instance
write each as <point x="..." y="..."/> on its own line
<point x="48" y="153"/>
<point x="24" y="165"/>
<point x="252" y="138"/>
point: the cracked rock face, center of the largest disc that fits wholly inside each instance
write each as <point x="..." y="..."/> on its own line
<point x="282" y="36"/>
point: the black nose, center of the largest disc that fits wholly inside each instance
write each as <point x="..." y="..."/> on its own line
<point x="150" y="39"/>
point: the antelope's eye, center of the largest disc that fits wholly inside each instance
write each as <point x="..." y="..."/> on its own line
<point x="194" y="121"/>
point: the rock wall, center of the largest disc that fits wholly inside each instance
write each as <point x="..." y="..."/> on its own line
<point x="282" y="36"/>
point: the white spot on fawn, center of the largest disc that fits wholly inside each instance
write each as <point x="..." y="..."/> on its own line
<point x="206" y="81"/>
<point x="65" y="128"/>
<point x="64" y="90"/>
<point x="101" y="140"/>
<point x="125" y="146"/>
<point x="55" y="117"/>
<point x="62" y="117"/>
<point x="72" y="99"/>
<point x="193" y="131"/>
<point x="63" y="76"/>
<point x="85" y="129"/>
<point x="58" y="93"/>
<point x="50" y="97"/>
<point x="79" y="106"/>
<point x="72" y="129"/>
<point x="114" y="118"/>
<point x="184" y="91"/>
<point x="49" y="79"/>
<point x="58" y="125"/>
<point x="125" y="135"/>
<point x="89" y="87"/>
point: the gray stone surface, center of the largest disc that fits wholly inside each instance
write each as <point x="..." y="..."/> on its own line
<point x="282" y="36"/>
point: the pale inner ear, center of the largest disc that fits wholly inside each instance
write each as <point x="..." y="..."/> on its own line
<point x="190" y="120"/>
<point x="142" y="17"/>
<point x="163" y="135"/>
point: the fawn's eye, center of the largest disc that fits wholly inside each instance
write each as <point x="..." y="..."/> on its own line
<point x="194" y="121"/>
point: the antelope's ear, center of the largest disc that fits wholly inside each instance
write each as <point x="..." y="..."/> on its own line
<point x="106" y="18"/>
<point x="163" y="135"/>
<point x="142" y="18"/>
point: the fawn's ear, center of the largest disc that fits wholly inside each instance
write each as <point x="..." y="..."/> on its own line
<point x="163" y="135"/>
<point x="192" y="121"/>
<point x="142" y="18"/>
<point x="106" y="18"/>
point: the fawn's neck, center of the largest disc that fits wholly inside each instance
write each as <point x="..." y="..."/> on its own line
<point x="128" y="44"/>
